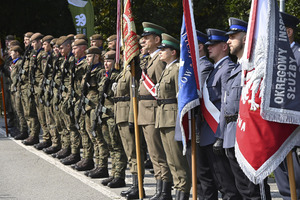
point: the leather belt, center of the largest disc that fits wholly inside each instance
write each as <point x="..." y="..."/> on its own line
<point x="146" y="97"/>
<point x="231" y="118"/>
<point x="166" y="101"/>
<point x="123" y="98"/>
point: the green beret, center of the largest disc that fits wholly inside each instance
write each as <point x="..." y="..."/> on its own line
<point x="93" y="50"/>
<point x="111" y="38"/>
<point x="28" y="34"/>
<point x="150" y="28"/>
<point x="96" y="37"/>
<point x="70" y="36"/>
<point x="10" y="37"/>
<point x="80" y="36"/>
<point x="79" y="42"/>
<point x="14" y="43"/>
<point x="169" y="42"/>
<point x="36" y="36"/>
<point x="47" y="38"/>
<point x="110" y="55"/>
<point x="61" y="40"/>
<point x="17" y="48"/>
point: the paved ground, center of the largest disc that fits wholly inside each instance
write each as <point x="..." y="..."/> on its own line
<point x="29" y="174"/>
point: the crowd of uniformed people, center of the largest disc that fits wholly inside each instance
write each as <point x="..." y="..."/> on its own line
<point x="81" y="98"/>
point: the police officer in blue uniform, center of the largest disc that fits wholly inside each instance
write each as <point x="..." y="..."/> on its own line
<point x="281" y="173"/>
<point x="213" y="162"/>
<point x="230" y="109"/>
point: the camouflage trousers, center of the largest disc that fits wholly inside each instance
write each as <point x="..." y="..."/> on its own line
<point x="17" y="105"/>
<point x="42" y="118"/>
<point x="55" y="139"/>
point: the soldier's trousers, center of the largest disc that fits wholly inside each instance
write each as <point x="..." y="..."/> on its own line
<point x="101" y="152"/>
<point x="128" y="141"/>
<point x="30" y="113"/>
<point x="177" y="162"/>
<point x="55" y="139"/>
<point x="17" y="104"/>
<point x="157" y="153"/>
<point x="62" y="130"/>
<point x="40" y="108"/>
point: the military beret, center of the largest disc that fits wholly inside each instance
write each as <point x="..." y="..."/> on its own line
<point x="111" y="38"/>
<point x="215" y="36"/>
<point x="80" y="36"/>
<point x="79" y="42"/>
<point x="96" y="37"/>
<point x="47" y="38"/>
<point x="17" y="48"/>
<point x="28" y="34"/>
<point x="236" y="25"/>
<point x="70" y="36"/>
<point x="289" y="20"/>
<point x="169" y="42"/>
<point x="150" y="28"/>
<point x="36" y="36"/>
<point x="53" y="42"/>
<point x="14" y="43"/>
<point x="93" y="50"/>
<point x="201" y="37"/>
<point x="61" y="40"/>
<point x="9" y="37"/>
<point x="110" y="55"/>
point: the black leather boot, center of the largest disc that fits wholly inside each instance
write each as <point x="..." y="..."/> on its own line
<point x="134" y="193"/>
<point x="134" y="184"/>
<point x="184" y="196"/>
<point x="158" y="190"/>
<point x="166" y="191"/>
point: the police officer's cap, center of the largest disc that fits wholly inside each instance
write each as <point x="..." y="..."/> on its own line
<point x="111" y="38"/>
<point x="9" y="37"/>
<point x="70" y="36"/>
<point x="110" y="55"/>
<point x="28" y="34"/>
<point x="17" y="48"/>
<point x="79" y="42"/>
<point x="150" y="28"/>
<point x="236" y="25"/>
<point x="80" y="36"/>
<point x="215" y="36"/>
<point x="14" y="43"/>
<point x="289" y="20"/>
<point x="201" y="37"/>
<point x="96" y="37"/>
<point x="47" y="38"/>
<point x="169" y="42"/>
<point x="36" y="36"/>
<point x="93" y="50"/>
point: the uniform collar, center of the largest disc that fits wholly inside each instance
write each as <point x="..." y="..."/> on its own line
<point x="168" y="65"/>
<point x="292" y="44"/>
<point x="216" y="64"/>
<point x="154" y="53"/>
<point x="15" y="60"/>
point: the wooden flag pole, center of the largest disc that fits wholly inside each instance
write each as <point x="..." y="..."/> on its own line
<point x="136" y="131"/>
<point x="194" y="156"/>
<point x="289" y="159"/>
<point x="4" y="108"/>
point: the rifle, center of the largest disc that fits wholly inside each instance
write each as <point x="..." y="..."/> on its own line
<point x="52" y="82"/>
<point x="44" y="82"/>
<point x="62" y="87"/>
<point x="32" y="74"/>
<point x="83" y="100"/>
<point x="72" y="93"/>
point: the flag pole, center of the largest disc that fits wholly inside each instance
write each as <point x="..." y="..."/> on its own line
<point x="194" y="156"/>
<point x="117" y="64"/>
<point x="291" y="173"/>
<point x="4" y="107"/>
<point x="136" y="131"/>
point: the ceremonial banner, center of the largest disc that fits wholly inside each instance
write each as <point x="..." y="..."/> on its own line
<point x="270" y="102"/>
<point x="129" y="33"/>
<point x="188" y="77"/>
<point x="83" y="16"/>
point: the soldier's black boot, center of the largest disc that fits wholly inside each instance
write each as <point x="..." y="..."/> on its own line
<point x="117" y="183"/>
<point x="134" y="184"/>
<point x="166" y="191"/>
<point x="71" y="159"/>
<point x="84" y="164"/>
<point x="100" y="172"/>
<point x="42" y="145"/>
<point x="52" y="149"/>
<point x="31" y="141"/>
<point x="21" y="136"/>
<point x="158" y="190"/>
<point x="63" y="153"/>
<point x="107" y="180"/>
<point x="184" y="196"/>
<point x="177" y="194"/>
<point x="134" y="193"/>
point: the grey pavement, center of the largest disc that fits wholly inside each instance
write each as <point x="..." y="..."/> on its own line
<point x="29" y="174"/>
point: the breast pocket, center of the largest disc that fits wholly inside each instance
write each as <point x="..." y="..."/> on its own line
<point x="214" y="91"/>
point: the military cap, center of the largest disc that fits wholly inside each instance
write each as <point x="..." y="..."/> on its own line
<point x="28" y="34"/>
<point x="289" y="20"/>
<point x="150" y="28"/>
<point x="80" y="36"/>
<point x="79" y="42"/>
<point x="93" y="50"/>
<point x="9" y="37"/>
<point x="14" y="43"/>
<point x="17" y="48"/>
<point x="70" y="36"/>
<point x="53" y="42"/>
<point x="96" y="37"/>
<point x="61" y="40"/>
<point x="201" y="37"/>
<point x="111" y="38"/>
<point x="236" y="25"/>
<point x="36" y="36"/>
<point x="47" y="38"/>
<point x="169" y="42"/>
<point x="215" y="36"/>
<point x="110" y="55"/>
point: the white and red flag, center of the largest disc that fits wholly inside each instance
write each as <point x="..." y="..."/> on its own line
<point x="269" y="112"/>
